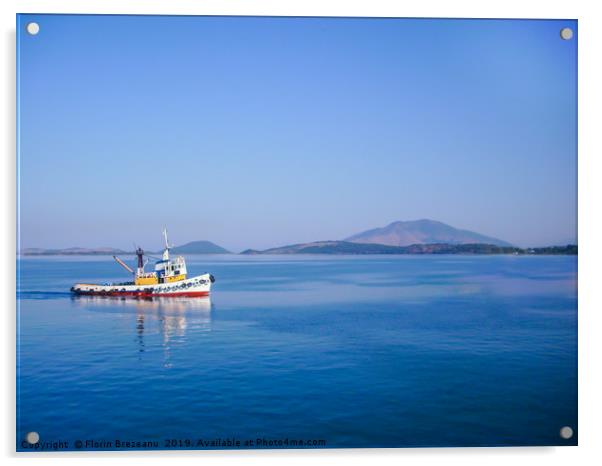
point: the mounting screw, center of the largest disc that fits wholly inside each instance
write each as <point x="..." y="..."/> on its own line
<point x="32" y="438"/>
<point x="566" y="33"/>
<point x="33" y="28"/>
<point x="566" y="432"/>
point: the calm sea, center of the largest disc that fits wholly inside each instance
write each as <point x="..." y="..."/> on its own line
<point x="376" y="351"/>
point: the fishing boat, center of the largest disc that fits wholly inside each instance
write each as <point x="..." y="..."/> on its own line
<point x="169" y="279"/>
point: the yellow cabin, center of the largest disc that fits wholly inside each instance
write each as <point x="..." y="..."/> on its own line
<point x="146" y="279"/>
<point x="175" y="278"/>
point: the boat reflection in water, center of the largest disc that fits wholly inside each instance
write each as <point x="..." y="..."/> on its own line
<point x="171" y="317"/>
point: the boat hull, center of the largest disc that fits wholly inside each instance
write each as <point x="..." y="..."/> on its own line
<point x="198" y="286"/>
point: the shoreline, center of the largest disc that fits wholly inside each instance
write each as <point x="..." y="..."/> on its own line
<point x="321" y="254"/>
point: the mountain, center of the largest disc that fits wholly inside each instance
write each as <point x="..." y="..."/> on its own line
<point x="422" y="232"/>
<point x="71" y="251"/>
<point x="346" y="247"/>
<point x="199" y="247"/>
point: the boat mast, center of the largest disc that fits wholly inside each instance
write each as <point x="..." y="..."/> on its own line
<point x="166" y="251"/>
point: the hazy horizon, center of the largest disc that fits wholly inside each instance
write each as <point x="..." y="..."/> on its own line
<point x="260" y="132"/>
<point x="160" y="244"/>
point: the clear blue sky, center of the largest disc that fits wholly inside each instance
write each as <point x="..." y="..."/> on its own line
<point x="258" y="132"/>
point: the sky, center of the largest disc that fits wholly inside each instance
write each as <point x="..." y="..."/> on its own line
<point x="259" y="132"/>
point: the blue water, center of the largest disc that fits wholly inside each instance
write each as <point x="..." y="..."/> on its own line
<point x="374" y="351"/>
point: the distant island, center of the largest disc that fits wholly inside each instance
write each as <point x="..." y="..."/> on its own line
<point x="402" y="237"/>
<point x="194" y="247"/>
<point x="414" y="237"/>
<point x="72" y="251"/>
<point x="346" y="247"/>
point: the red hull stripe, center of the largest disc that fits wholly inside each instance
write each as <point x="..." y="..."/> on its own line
<point x="141" y="294"/>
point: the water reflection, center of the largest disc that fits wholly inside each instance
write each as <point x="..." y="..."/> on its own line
<point x="171" y="317"/>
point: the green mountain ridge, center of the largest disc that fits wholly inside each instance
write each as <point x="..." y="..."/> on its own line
<point x="346" y="247"/>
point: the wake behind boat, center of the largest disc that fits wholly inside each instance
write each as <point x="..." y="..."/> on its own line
<point x="170" y="278"/>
